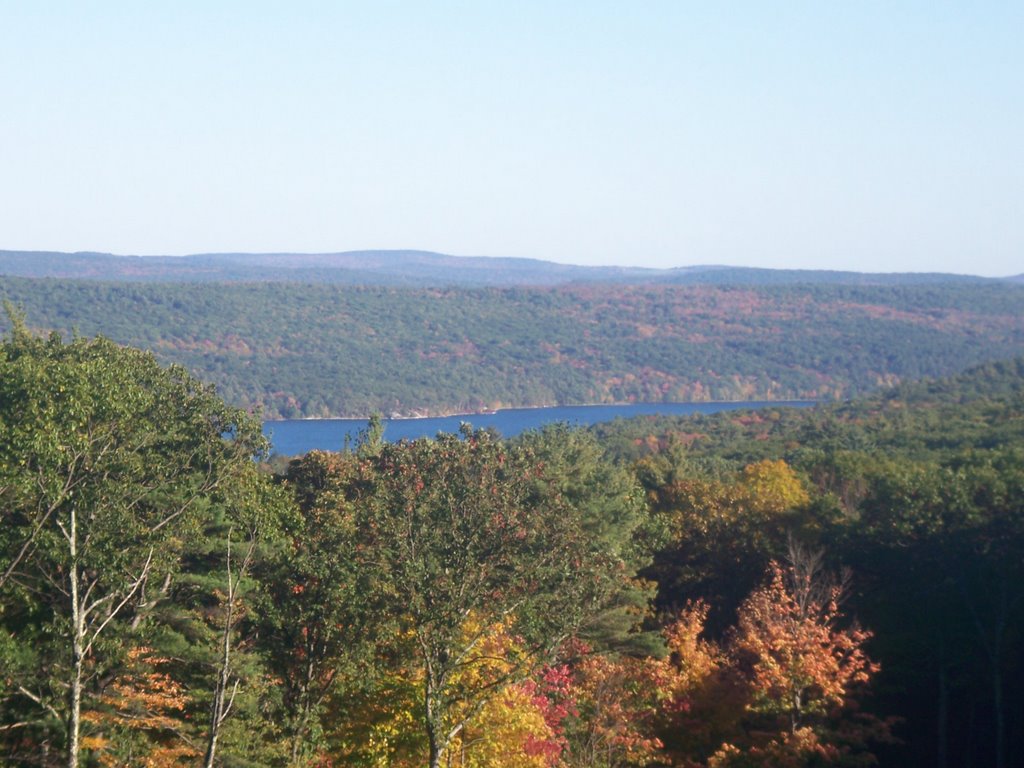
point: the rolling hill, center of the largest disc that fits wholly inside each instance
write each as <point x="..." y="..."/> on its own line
<point x="307" y="350"/>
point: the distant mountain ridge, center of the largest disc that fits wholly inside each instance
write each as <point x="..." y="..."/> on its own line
<point x="413" y="268"/>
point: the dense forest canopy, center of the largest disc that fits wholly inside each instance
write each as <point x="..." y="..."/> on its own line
<point x="321" y="350"/>
<point x="919" y="490"/>
<point x="834" y="586"/>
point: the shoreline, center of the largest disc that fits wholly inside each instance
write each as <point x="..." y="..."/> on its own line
<point x="752" y="403"/>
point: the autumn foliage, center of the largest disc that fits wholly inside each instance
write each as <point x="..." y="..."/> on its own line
<point x="142" y="715"/>
<point x="799" y="662"/>
<point x="464" y="601"/>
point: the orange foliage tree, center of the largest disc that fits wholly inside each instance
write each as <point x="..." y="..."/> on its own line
<point x="704" y="699"/>
<point x="615" y="700"/>
<point x="141" y="717"/>
<point x="780" y="692"/>
<point x="803" y="669"/>
<point x="801" y="662"/>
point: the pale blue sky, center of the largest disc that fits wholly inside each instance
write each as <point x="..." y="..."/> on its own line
<point x="877" y="136"/>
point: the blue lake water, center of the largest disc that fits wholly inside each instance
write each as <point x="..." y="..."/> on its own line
<point x="294" y="437"/>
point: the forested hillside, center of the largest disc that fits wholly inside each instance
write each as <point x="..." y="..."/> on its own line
<point x="306" y="350"/>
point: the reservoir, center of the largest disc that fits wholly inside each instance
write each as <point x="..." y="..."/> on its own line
<point x="294" y="437"/>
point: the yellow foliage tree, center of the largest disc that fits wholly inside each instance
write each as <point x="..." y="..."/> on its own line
<point x="507" y="728"/>
<point x="378" y="725"/>
<point x="507" y="733"/>
<point x="772" y="487"/>
<point x="381" y="727"/>
<point x="704" y="699"/>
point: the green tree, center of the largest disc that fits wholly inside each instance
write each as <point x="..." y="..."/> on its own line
<point x="107" y="461"/>
<point x="466" y="539"/>
<point x="313" y="622"/>
<point x="253" y="512"/>
<point x="610" y="504"/>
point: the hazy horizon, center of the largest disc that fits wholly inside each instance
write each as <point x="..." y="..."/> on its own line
<point x="867" y="137"/>
<point x="486" y="256"/>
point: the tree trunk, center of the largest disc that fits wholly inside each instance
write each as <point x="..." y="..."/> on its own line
<point x="795" y="714"/>
<point x="435" y="752"/>
<point x="997" y="672"/>
<point x="297" y="738"/>
<point x="434" y="727"/>
<point x="77" y="650"/>
<point x="216" y="717"/>
<point x="218" y="711"/>
<point x="75" y="704"/>
<point x="305" y="706"/>
<point x="221" y="702"/>
<point x="993" y="647"/>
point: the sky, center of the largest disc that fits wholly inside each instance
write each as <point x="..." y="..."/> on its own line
<point x="870" y="136"/>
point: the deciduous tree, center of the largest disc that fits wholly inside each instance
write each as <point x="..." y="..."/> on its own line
<point x="466" y="536"/>
<point x="801" y="661"/>
<point x="106" y="463"/>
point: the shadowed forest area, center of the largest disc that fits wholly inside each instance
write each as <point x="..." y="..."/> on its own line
<point x="834" y="586"/>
